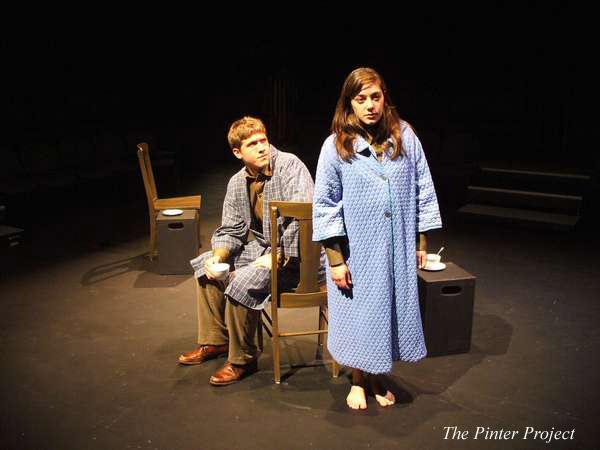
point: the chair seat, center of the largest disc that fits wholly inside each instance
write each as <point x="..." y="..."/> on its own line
<point x="293" y="300"/>
<point x="191" y="202"/>
<point x="322" y="288"/>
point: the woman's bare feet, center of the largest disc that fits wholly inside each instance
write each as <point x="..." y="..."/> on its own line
<point x="357" y="399"/>
<point x="383" y="396"/>
<point x="385" y="400"/>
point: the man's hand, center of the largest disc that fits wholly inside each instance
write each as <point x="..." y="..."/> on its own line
<point x="421" y="258"/>
<point x="209" y="262"/>
<point x="341" y="276"/>
<point x="263" y="261"/>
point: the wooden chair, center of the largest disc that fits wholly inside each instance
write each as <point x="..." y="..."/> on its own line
<point x="308" y="293"/>
<point x="156" y="204"/>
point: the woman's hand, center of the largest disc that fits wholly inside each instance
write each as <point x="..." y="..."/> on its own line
<point x="421" y="258"/>
<point x="341" y="276"/>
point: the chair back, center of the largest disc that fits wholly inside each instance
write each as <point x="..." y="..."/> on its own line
<point x="307" y="294"/>
<point x="147" y="174"/>
<point x="310" y="252"/>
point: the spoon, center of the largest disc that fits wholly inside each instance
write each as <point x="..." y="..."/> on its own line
<point x="440" y="250"/>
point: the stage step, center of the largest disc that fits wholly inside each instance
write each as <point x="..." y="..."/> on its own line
<point x="537" y="173"/>
<point x="9" y="237"/>
<point x="534" y="180"/>
<point x="549" y="202"/>
<point x="519" y="216"/>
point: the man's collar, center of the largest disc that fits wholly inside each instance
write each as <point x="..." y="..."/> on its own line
<point x="265" y="173"/>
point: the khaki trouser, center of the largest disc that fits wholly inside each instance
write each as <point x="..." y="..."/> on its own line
<point x="222" y="320"/>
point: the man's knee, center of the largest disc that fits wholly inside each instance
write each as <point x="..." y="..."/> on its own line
<point x="236" y="305"/>
<point x="209" y="291"/>
<point x="205" y="283"/>
<point x="239" y="312"/>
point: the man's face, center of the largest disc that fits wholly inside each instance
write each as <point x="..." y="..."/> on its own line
<point x="254" y="152"/>
<point x="368" y="104"/>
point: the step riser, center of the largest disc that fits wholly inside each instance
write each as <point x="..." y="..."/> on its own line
<point x="552" y="185"/>
<point x="525" y="198"/>
<point x="521" y="200"/>
<point x="515" y="222"/>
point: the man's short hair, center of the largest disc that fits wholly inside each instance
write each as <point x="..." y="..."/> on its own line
<point x="244" y="128"/>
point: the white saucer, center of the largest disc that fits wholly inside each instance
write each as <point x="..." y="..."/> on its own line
<point x="172" y="212"/>
<point x="434" y="267"/>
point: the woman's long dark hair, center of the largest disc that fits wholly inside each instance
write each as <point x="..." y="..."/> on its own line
<point x="347" y="126"/>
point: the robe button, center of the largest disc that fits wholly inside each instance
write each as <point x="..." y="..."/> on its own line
<point x="387" y="214"/>
<point x="383" y="177"/>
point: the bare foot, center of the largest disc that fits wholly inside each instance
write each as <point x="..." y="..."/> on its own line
<point x="383" y="396"/>
<point x="385" y="400"/>
<point x="356" y="398"/>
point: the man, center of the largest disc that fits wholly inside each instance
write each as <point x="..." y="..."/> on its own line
<point x="229" y="311"/>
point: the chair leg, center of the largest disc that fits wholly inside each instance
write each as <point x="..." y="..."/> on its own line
<point x="335" y="369"/>
<point x="321" y="337"/>
<point x="152" y="251"/>
<point x="259" y="334"/>
<point x="276" y="356"/>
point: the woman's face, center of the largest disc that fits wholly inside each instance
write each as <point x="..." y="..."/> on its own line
<point x="368" y="104"/>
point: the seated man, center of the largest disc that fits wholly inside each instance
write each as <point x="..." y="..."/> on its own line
<point x="229" y="311"/>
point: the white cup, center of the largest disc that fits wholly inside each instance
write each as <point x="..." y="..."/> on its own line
<point x="219" y="271"/>
<point x="433" y="259"/>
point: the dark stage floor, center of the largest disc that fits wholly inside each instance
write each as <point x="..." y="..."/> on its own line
<point x="91" y="334"/>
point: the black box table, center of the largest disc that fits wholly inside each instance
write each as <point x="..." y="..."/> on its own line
<point x="446" y="299"/>
<point x="177" y="242"/>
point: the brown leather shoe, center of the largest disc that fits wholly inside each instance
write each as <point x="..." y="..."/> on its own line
<point x="232" y="373"/>
<point x="203" y="353"/>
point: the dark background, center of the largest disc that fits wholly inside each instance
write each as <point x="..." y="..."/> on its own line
<point x="501" y="83"/>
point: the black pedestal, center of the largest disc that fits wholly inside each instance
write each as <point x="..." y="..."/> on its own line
<point x="177" y="242"/>
<point x="446" y="299"/>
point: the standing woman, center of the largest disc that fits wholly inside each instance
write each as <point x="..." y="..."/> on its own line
<point x="374" y="200"/>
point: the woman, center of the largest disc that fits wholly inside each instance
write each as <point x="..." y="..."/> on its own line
<point x="373" y="201"/>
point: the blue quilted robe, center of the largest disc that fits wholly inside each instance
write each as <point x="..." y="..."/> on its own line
<point x="379" y="206"/>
